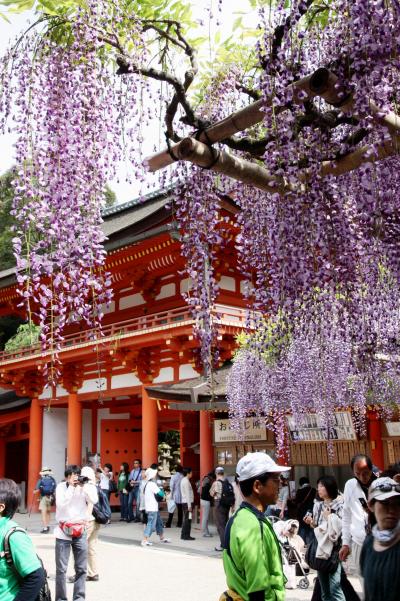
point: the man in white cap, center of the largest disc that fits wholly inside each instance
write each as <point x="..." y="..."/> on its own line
<point x="46" y="487"/>
<point x="380" y="554"/>
<point x="252" y="556"/>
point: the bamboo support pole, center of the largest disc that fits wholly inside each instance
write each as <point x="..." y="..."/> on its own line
<point x="253" y="174"/>
<point x="243" y="171"/>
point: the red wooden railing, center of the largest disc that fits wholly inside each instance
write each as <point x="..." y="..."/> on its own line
<point x="224" y="314"/>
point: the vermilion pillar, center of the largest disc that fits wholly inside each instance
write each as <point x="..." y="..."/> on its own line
<point x="35" y="447"/>
<point x="149" y="429"/>
<point x="2" y="457"/>
<point x="94" y="427"/>
<point x="74" y="436"/>
<point x="206" y="444"/>
<point x="375" y="439"/>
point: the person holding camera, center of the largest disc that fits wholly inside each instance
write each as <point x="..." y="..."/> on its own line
<point x="75" y="498"/>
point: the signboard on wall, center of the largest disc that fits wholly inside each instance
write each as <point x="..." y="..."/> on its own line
<point x="253" y="429"/>
<point x="311" y="428"/>
<point x="393" y="428"/>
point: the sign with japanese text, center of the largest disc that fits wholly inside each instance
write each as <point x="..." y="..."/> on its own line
<point x="253" y="429"/>
<point x="393" y="428"/>
<point x="311" y="427"/>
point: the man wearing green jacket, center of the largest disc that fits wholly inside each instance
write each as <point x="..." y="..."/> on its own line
<point x="252" y="556"/>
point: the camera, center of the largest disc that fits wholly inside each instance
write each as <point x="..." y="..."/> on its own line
<point x="83" y="479"/>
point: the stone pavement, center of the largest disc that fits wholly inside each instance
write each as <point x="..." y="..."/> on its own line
<point x="180" y="571"/>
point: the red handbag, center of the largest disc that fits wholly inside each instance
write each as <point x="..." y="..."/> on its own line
<point x="73" y="530"/>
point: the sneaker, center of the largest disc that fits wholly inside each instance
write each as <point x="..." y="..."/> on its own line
<point x="71" y="579"/>
<point x="207" y="534"/>
<point x="146" y="543"/>
<point x="218" y="548"/>
<point x="94" y="578"/>
<point x="45" y="530"/>
<point x="165" y="540"/>
<point x="188" y="538"/>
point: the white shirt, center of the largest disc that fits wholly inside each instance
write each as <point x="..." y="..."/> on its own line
<point x="187" y="491"/>
<point x="355" y="519"/>
<point x="150" y="502"/>
<point x="74" y="504"/>
<point x="104" y="482"/>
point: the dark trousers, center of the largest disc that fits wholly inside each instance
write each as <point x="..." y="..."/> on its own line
<point x="133" y="498"/>
<point x="180" y="516"/>
<point x="221" y="517"/>
<point x="187" y="523"/>
<point x="124" y="499"/>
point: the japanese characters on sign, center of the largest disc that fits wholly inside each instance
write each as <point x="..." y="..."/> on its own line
<point x="310" y="428"/>
<point x="253" y="429"/>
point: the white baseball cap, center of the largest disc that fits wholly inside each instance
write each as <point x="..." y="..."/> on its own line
<point x="255" y="464"/>
<point x="382" y="489"/>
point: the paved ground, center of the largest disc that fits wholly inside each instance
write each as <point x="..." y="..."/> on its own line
<point x="181" y="571"/>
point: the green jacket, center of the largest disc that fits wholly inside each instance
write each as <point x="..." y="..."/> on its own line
<point x="252" y="557"/>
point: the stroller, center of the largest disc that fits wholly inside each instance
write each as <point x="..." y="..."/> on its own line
<point x="292" y="549"/>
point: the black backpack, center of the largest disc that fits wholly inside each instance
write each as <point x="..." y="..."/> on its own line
<point x="227" y="496"/>
<point x="44" y="593"/>
<point x="102" y="510"/>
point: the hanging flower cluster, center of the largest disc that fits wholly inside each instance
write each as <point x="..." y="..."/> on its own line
<point x="325" y="255"/>
<point x="69" y="114"/>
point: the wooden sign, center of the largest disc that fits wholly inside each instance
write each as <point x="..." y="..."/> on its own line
<point x="253" y="429"/>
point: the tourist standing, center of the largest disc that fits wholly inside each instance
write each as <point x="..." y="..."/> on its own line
<point x="380" y="555"/>
<point x="304" y="503"/>
<point x="23" y="579"/>
<point x="252" y="556"/>
<point x="206" y="502"/>
<point x="187" y="503"/>
<point x="135" y="478"/>
<point x="92" y="530"/>
<point x="46" y="487"/>
<point x="106" y="475"/>
<point x="123" y="478"/>
<point x="175" y="486"/>
<point x="152" y="496"/>
<point x="74" y="498"/>
<point x="355" y="510"/>
<point x="222" y="508"/>
<point x="327" y="524"/>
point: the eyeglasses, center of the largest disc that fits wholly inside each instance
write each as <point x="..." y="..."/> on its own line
<point x="387" y="487"/>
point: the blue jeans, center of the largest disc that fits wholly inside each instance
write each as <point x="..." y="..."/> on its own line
<point x="154" y="523"/>
<point x="330" y="585"/>
<point x="133" y="496"/>
<point x="124" y="499"/>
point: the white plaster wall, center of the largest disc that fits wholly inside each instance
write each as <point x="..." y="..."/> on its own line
<point x="185" y="285"/>
<point x="94" y="385"/>
<point x="109" y="309"/>
<point x="86" y="431"/>
<point x="166" y="375"/>
<point x="105" y="414"/>
<point x="133" y="300"/>
<point x="47" y="392"/>
<point x="166" y="291"/>
<point x="227" y="283"/>
<point x="55" y="424"/>
<point x="54" y="441"/>
<point x="124" y="381"/>
<point x="187" y="371"/>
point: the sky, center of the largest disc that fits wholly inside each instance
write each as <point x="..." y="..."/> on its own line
<point x="19" y="22"/>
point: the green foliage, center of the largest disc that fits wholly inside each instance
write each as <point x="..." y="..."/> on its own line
<point x="27" y="335"/>
<point x="110" y="197"/>
<point x="8" y="327"/>
<point x="274" y="336"/>
<point x="6" y="221"/>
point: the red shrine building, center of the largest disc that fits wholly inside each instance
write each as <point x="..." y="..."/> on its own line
<point x="143" y="376"/>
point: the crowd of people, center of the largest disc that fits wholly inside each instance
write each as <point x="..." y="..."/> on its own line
<point x="359" y="528"/>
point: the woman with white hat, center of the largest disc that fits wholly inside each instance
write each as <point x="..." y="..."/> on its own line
<point x="152" y="496"/>
<point x="380" y="555"/>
